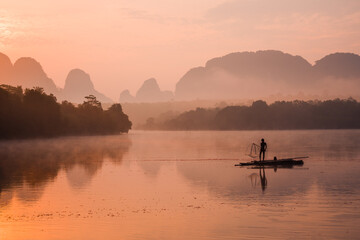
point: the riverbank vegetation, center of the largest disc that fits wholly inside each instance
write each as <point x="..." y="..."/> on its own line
<point x="33" y="113"/>
<point x="280" y="115"/>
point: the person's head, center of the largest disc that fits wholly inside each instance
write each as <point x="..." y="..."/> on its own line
<point x="262" y="140"/>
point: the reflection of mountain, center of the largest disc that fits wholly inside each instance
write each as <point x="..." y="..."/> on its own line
<point x="255" y="74"/>
<point x="78" y="176"/>
<point x="29" y="165"/>
<point x="148" y="92"/>
<point x="28" y="73"/>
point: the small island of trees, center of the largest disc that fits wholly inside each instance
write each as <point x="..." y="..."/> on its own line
<point x="33" y="113"/>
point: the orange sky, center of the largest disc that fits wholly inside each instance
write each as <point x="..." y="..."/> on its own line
<point x="122" y="43"/>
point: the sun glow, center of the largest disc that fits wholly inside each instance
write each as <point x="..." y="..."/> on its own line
<point x="6" y="31"/>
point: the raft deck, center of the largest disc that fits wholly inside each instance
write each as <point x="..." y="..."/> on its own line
<point x="285" y="161"/>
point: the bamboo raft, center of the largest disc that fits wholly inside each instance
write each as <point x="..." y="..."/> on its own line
<point x="278" y="162"/>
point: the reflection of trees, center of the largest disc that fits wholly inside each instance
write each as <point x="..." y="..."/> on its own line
<point x="29" y="193"/>
<point x="30" y="165"/>
<point x="5" y="198"/>
<point x="78" y="176"/>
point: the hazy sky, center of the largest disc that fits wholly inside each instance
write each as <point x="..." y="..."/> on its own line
<point x="122" y="43"/>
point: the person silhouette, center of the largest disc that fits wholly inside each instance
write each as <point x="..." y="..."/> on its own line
<point x="263" y="147"/>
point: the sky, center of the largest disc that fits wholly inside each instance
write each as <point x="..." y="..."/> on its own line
<point x="123" y="43"/>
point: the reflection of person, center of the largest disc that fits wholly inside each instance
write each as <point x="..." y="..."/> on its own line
<point x="275" y="167"/>
<point x="263" y="148"/>
<point x="263" y="179"/>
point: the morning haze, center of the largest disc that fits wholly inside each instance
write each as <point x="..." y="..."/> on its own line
<point x="120" y="44"/>
<point x="207" y="119"/>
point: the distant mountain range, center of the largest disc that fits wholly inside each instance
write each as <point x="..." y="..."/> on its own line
<point x="249" y="75"/>
<point x="148" y="92"/>
<point x="28" y="73"/>
<point x="242" y="75"/>
<point x="262" y="73"/>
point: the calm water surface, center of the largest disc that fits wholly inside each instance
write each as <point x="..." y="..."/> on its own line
<point x="180" y="185"/>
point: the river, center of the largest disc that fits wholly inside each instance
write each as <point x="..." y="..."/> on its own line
<point x="180" y="185"/>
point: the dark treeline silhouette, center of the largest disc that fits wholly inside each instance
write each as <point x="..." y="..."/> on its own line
<point x="330" y="114"/>
<point x="33" y="113"/>
<point x="199" y="119"/>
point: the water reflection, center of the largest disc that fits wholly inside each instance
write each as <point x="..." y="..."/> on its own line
<point x="260" y="178"/>
<point x="172" y="184"/>
<point x="27" y="166"/>
<point x="263" y="179"/>
<point x="254" y="177"/>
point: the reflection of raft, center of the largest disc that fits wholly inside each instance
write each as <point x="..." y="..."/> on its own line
<point x="278" y="162"/>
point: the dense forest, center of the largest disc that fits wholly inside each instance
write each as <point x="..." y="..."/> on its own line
<point x="33" y="113"/>
<point x="330" y="114"/>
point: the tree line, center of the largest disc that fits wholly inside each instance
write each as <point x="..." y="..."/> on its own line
<point x="33" y="113"/>
<point x="280" y="115"/>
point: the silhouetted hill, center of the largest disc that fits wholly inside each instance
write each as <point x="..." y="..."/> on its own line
<point x="29" y="74"/>
<point x="6" y="70"/>
<point x="126" y="97"/>
<point x="269" y="65"/>
<point x="148" y="92"/>
<point x="78" y="84"/>
<point x="244" y="75"/>
<point x="264" y="73"/>
<point x="339" y="65"/>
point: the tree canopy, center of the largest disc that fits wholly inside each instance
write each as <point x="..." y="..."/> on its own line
<point x="33" y="113"/>
<point x="330" y="114"/>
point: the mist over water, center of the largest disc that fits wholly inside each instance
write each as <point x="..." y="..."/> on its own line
<point x="178" y="185"/>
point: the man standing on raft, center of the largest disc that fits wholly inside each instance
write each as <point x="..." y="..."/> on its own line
<point x="263" y="148"/>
